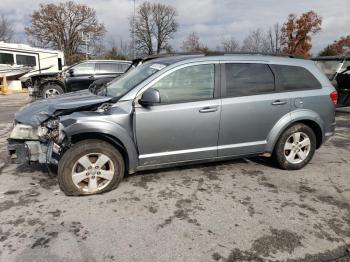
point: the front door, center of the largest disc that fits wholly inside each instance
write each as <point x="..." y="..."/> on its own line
<point x="184" y="126"/>
<point x="250" y="108"/>
<point x="80" y="77"/>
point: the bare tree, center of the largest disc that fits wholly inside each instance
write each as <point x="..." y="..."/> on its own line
<point x="60" y="26"/>
<point x="256" y="41"/>
<point x="274" y="37"/>
<point x="6" y="29"/>
<point x="230" y="45"/>
<point x="143" y="28"/>
<point x="153" y="26"/>
<point x="165" y="25"/>
<point x="192" y="43"/>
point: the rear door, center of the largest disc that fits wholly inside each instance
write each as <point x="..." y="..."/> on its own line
<point x="305" y="91"/>
<point x="184" y="126"/>
<point x="250" y="108"/>
<point x="106" y="70"/>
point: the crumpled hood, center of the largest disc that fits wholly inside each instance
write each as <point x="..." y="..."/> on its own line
<point x="37" y="112"/>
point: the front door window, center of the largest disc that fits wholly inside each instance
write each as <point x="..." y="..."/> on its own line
<point x="191" y="83"/>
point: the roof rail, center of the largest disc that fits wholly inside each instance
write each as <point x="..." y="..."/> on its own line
<point x="212" y="53"/>
<point x="250" y="53"/>
<point x="150" y="57"/>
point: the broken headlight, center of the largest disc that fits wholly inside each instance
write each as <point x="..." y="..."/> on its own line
<point x="21" y="131"/>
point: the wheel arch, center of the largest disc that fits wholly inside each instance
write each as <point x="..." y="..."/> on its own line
<point x="104" y="137"/>
<point x="115" y="135"/>
<point x="306" y="117"/>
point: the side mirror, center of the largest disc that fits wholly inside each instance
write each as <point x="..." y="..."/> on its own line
<point x="71" y="72"/>
<point x="150" y="97"/>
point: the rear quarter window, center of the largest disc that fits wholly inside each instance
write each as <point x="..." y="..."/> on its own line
<point x="294" y="78"/>
<point x="123" y="67"/>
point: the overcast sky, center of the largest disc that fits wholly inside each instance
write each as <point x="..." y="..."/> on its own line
<point x="212" y="20"/>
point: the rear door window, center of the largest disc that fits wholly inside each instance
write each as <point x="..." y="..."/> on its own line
<point x="245" y="79"/>
<point x="295" y="78"/>
<point x="107" y="68"/>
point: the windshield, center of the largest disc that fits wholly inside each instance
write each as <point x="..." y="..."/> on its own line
<point x="132" y="78"/>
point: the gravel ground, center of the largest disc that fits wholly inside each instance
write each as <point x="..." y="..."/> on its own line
<point x="241" y="210"/>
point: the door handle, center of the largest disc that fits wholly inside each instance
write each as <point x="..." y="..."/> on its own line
<point x="279" y="102"/>
<point x="208" y="109"/>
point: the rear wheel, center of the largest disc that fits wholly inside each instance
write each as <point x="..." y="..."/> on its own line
<point x="295" y="148"/>
<point x="90" y="167"/>
<point x="52" y="89"/>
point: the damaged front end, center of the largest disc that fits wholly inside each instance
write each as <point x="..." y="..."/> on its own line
<point x="28" y="144"/>
<point x="38" y="135"/>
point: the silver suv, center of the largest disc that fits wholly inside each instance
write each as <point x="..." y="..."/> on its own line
<point x="177" y="110"/>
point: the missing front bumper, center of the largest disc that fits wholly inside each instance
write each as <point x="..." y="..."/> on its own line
<point x="22" y="152"/>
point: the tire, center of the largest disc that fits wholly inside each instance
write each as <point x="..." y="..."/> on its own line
<point x="295" y="147"/>
<point x="90" y="151"/>
<point x="51" y="89"/>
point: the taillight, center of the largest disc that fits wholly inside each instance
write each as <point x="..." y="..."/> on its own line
<point x="334" y="97"/>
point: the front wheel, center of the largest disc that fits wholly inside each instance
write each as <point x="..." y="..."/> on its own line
<point x="52" y="89"/>
<point x="295" y="148"/>
<point x="90" y="167"/>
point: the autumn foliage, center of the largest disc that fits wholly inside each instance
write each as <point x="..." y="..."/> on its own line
<point x="342" y="46"/>
<point x="297" y="31"/>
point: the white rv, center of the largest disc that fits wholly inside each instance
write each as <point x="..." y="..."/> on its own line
<point x="41" y="60"/>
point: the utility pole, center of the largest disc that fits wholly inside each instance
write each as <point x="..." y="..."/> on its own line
<point x="133" y="32"/>
<point x="86" y="39"/>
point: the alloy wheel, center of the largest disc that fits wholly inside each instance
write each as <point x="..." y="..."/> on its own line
<point x="51" y="92"/>
<point x="297" y="147"/>
<point x="93" y="172"/>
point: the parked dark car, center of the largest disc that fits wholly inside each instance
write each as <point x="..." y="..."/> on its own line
<point x="179" y="110"/>
<point x="77" y="77"/>
<point x="337" y="69"/>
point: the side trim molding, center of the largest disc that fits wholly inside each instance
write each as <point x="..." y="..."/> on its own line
<point x="201" y="149"/>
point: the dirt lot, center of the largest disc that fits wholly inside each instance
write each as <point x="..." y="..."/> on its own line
<point x="242" y="210"/>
